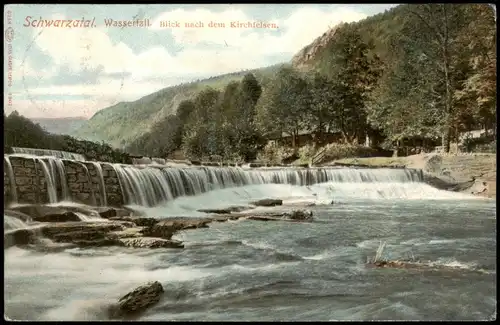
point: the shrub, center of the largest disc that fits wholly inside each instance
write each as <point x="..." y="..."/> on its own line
<point x="481" y="144"/>
<point x="273" y="153"/>
<point x="306" y="153"/>
<point x="335" y="151"/>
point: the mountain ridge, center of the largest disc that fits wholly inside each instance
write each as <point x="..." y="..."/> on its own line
<point x="123" y="122"/>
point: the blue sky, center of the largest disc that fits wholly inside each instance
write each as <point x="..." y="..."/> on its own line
<point x="59" y="72"/>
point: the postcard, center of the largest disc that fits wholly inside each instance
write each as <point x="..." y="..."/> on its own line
<point x="249" y="162"/>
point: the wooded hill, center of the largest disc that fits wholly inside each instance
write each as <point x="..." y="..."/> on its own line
<point x="124" y="122"/>
<point x="437" y="67"/>
<point x="20" y="131"/>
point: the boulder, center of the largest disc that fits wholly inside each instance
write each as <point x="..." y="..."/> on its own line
<point x="85" y="233"/>
<point x="19" y="237"/>
<point x="139" y="221"/>
<point x="52" y="229"/>
<point x="228" y="210"/>
<point x="39" y="210"/>
<point x="108" y="213"/>
<point x="165" y="229"/>
<point x="227" y="217"/>
<point x="268" y="202"/>
<point x="137" y="301"/>
<point x="61" y="217"/>
<point x="294" y="215"/>
<point x="133" y="232"/>
<point x="150" y="242"/>
<point x="217" y="211"/>
<point x="300" y="215"/>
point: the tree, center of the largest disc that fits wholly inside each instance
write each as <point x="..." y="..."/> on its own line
<point x="283" y="105"/>
<point x="201" y="137"/>
<point x="355" y="75"/>
<point x="477" y="91"/>
<point x="323" y="101"/>
<point x="434" y="31"/>
<point x="405" y="103"/>
<point x="248" y="138"/>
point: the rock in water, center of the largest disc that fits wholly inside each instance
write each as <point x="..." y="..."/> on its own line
<point x="62" y="217"/>
<point x="108" y="213"/>
<point x="137" y="301"/>
<point x="151" y="242"/>
<point x="19" y="237"/>
<point x="268" y="202"/>
<point x="301" y="215"/>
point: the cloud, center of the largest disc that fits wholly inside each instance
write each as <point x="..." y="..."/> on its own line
<point x="26" y="70"/>
<point x="87" y="62"/>
<point x="297" y="31"/>
<point x="83" y="48"/>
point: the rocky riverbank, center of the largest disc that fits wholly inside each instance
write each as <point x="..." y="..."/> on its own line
<point x="64" y="227"/>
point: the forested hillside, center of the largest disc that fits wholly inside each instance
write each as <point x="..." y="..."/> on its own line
<point x="438" y="69"/>
<point x="122" y="123"/>
<point x="416" y="71"/>
<point x="20" y="131"/>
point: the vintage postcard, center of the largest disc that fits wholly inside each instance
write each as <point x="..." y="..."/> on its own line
<point x="250" y="162"/>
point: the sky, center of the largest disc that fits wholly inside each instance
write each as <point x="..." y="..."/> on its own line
<point x="67" y="72"/>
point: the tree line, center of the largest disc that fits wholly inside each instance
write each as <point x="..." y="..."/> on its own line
<point x="425" y="71"/>
<point x="434" y="77"/>
<point x="440" y="78"/>
<point x="20" y="131"/>
<point x="236" y="123"/>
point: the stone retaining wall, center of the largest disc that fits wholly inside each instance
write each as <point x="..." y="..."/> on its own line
<point x="82" y="178"/>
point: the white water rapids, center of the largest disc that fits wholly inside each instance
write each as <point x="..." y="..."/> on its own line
<point x="153" y="186"/>
<point x="265" y="271"/>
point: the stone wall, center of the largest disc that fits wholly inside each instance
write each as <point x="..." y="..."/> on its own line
<point x="29" y="180"/>
<point x="83" y="182"/>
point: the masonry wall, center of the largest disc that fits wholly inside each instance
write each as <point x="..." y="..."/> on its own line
<point x="83" y="182"/>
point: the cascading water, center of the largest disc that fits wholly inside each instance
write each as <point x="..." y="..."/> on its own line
<point x="12" y="181"/>
<point x="50" y="179"/>
<point x="13" y="223"/>
<point x="47" y="152"/>
<point x="145" y="187"/>
<point x="102" y="187"/>
<point x="57" y="168"/>
<point x="153" y="185"/>
<point x="150" y="186"/>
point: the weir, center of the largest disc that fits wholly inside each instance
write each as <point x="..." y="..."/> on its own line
<point x="47" y="179"/>
<point x="48" y="152"/>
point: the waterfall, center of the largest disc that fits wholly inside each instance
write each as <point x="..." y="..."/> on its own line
<point x="59" y="166"/>
<point x="102" y="187"/>
<point x="49" y="179"/>
<point x="150" y="186"/>
<point x="145" y="187"/>
<point x="13" y="223"/>
<point x="12" y="180"/>
<point x="48" y="152"/>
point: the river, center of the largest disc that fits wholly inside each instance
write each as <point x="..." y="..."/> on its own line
<point x="279" y="271"/>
